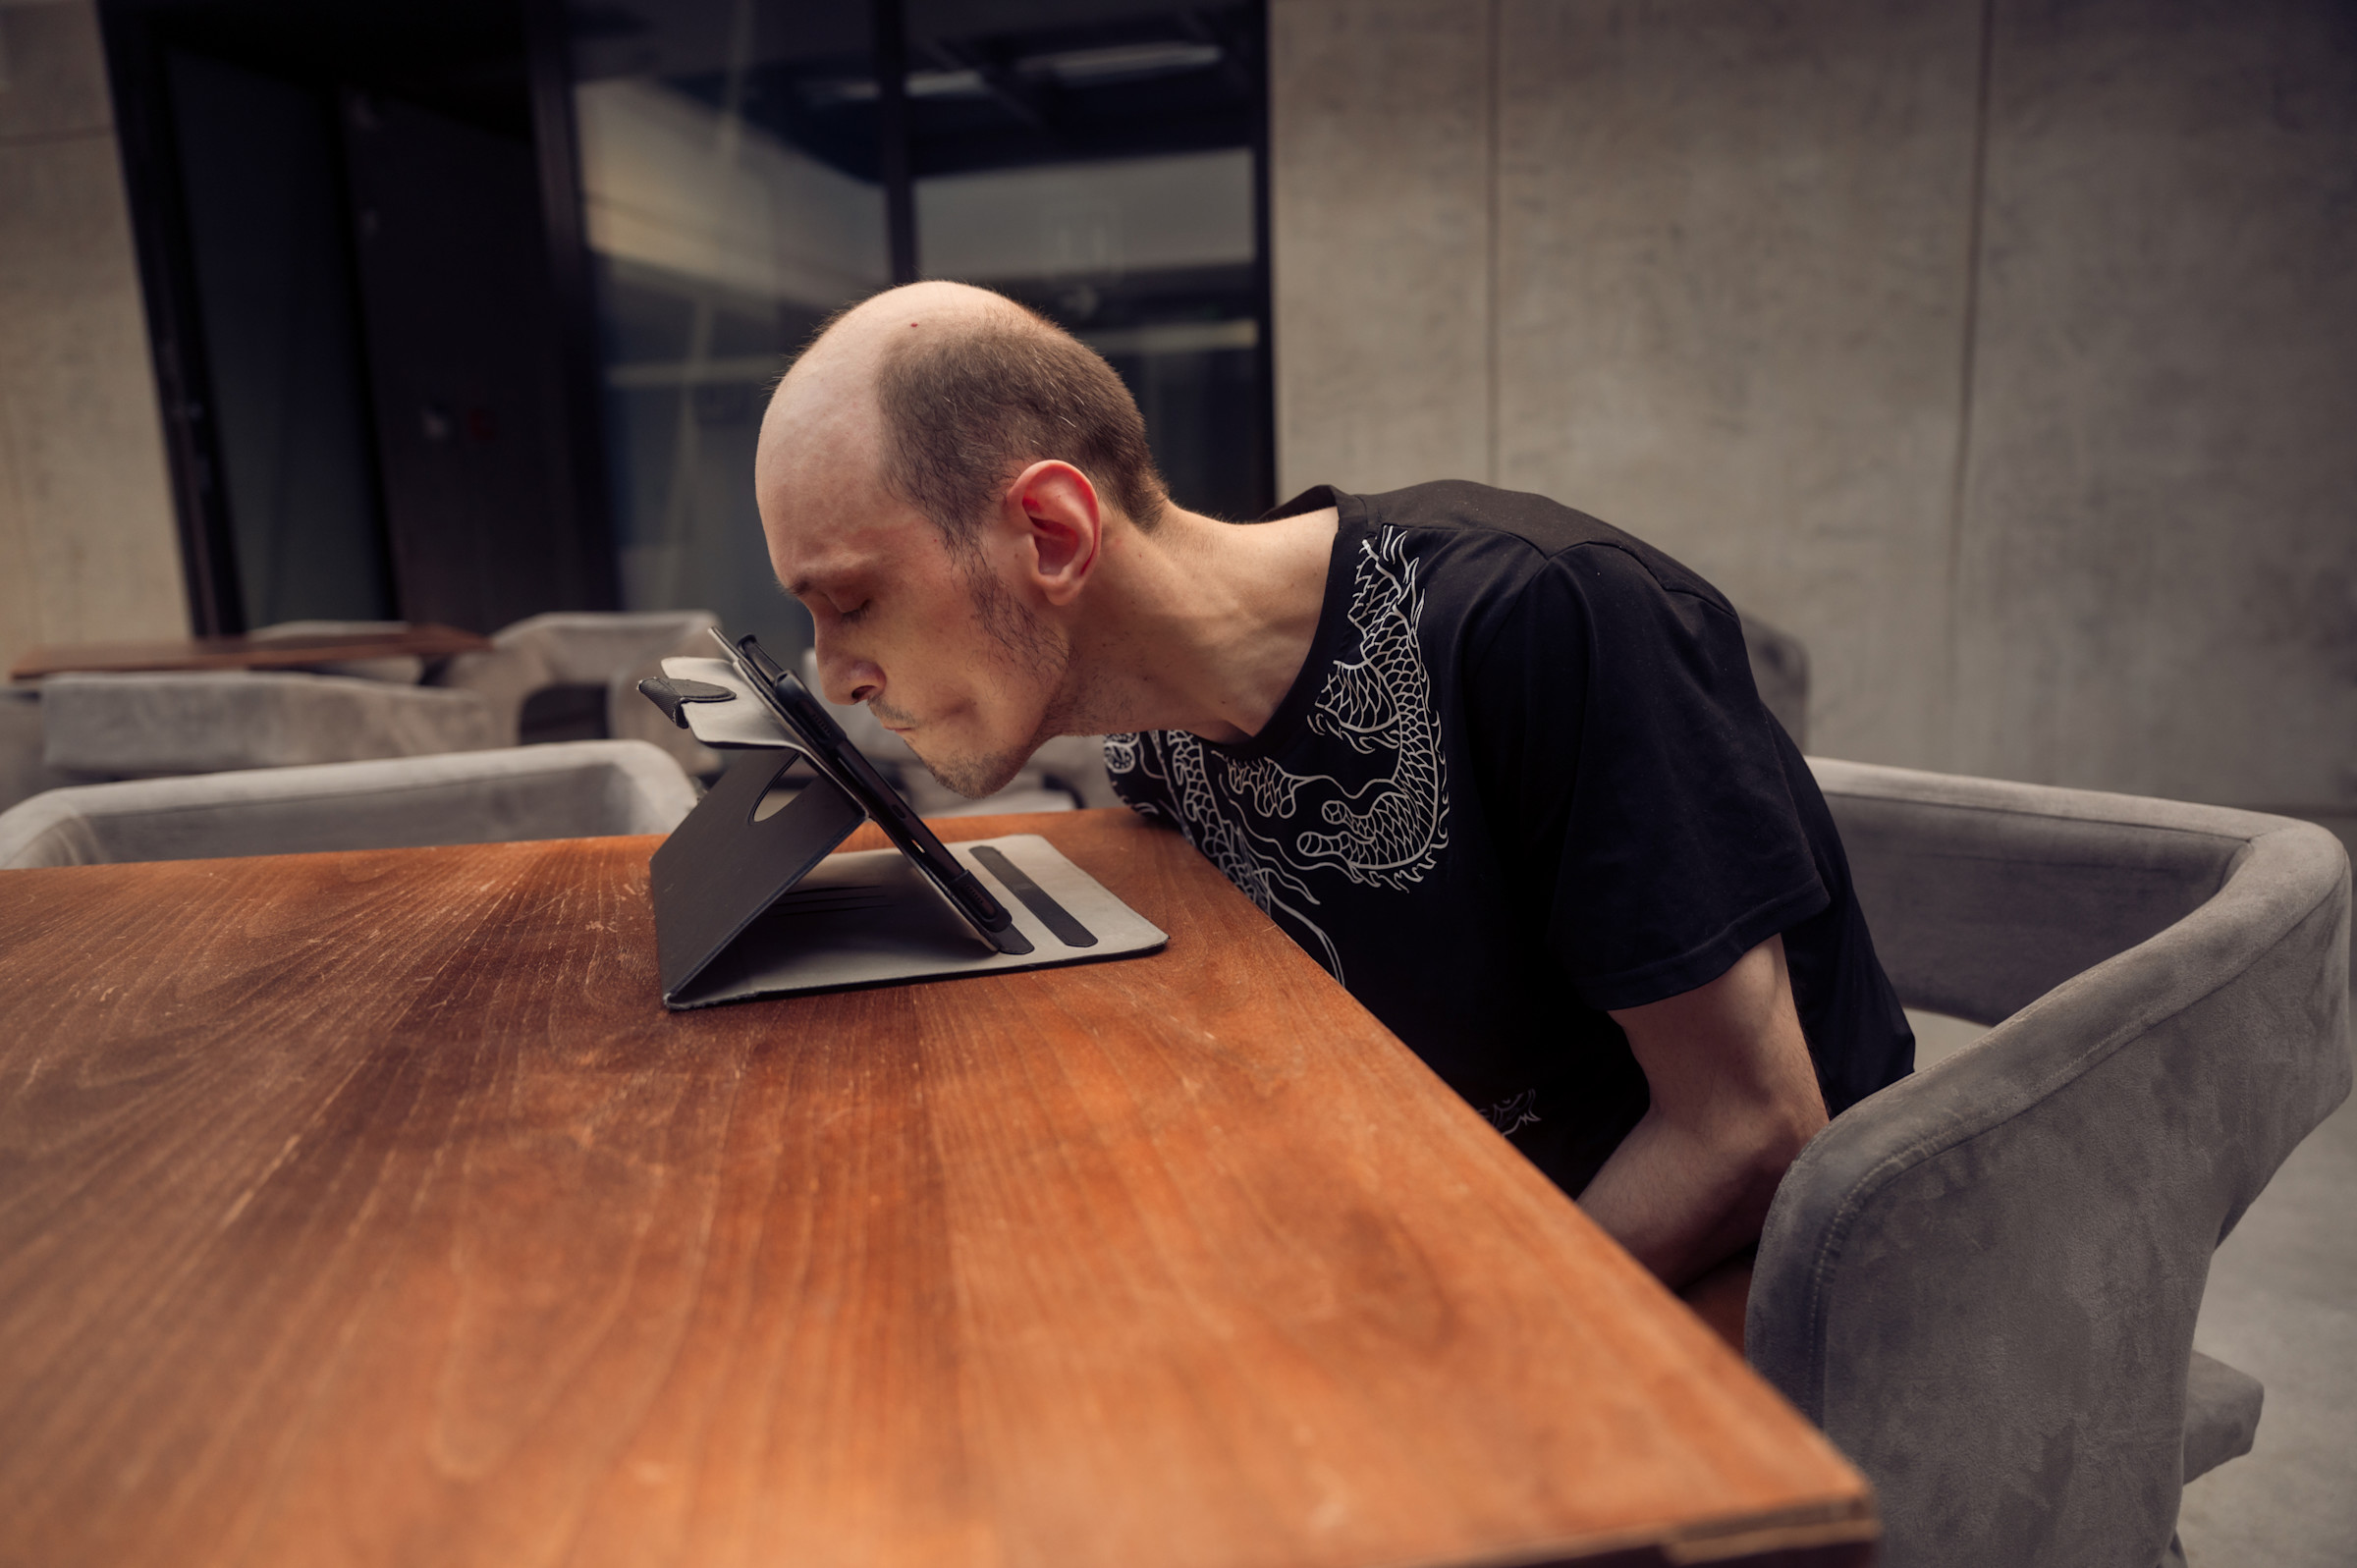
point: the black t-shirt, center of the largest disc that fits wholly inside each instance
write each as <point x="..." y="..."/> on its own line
<point x="1523" y="777"/>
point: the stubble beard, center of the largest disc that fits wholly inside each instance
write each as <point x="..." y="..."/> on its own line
<point x="1026" y="651"/>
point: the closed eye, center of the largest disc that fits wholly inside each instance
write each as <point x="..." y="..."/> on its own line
<point x="823" y="601"/>
<point x="824" y="604"/>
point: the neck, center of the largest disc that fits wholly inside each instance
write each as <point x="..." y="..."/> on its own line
<point x="1200" y="626"/>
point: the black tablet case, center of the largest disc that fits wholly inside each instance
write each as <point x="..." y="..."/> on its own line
<point x="753" y="904"/>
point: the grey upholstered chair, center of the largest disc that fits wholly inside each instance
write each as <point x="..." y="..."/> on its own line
<point x="150" y="724"/>
<point x="1779" y="668"/>
<point x="213" y="721"/>
<point x="1983" y="1281"/>
<point x="24" y="766"/>
<point x="574" y="789"/>
<point x="612" y="650"/>
<point x="145" y="724"/>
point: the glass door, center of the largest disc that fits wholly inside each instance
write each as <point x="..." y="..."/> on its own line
<point x="1099" y="160"/>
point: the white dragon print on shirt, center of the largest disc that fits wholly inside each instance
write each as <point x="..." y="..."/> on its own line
<point x="1515" y="1112"/>
<point x="1251" y="817"/>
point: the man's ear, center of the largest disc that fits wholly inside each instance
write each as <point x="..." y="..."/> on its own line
<point x="1061" y="524"/>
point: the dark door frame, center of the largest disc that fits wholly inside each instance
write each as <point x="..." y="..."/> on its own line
<point x="137" y="35"/>
<point x="556" y="144"/>
<point x="166" y="253"/>
<point x="150" y="158"/>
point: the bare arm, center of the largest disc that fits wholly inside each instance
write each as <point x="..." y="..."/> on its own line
<point x="1734" y="1098"/>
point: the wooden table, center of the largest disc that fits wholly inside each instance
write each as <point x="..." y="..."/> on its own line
<point x="367" y="1209"/>
<point x="424" y="641"/>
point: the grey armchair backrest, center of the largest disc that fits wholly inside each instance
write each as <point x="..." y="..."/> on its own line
<point x="612" y="649"/>
<point x="214" y="721"/>
<point x="1780" y="670"/>
<point x="1983" y="1281"/>
<point x="579" y="789"/>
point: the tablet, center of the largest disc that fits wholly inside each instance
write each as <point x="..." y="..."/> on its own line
<point x="821" y="739"/>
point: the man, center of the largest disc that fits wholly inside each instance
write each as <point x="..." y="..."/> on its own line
<point x="1497" y="765"/>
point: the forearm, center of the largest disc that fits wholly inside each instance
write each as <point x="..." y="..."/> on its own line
<point x="1681" y="1199"/>
<point x="1734" y="1101"/>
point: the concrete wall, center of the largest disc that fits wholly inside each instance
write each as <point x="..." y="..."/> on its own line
<point x="1381" y="206"/>
<point x="2001" y="352"/>
<point x="87" y="549"/>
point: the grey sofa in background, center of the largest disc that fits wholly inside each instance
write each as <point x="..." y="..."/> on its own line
<point x="87" y="728"/>
<point x="25" y="769"/>
<point x="1982" y="1282"/>
<point x="160" y="723"/>
<point x="568" y="790"/>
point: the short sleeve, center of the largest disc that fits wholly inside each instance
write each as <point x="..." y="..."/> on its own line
<point x="1615" y="724"/>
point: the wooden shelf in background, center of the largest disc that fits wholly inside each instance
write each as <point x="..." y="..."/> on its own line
<point x="246" y="653"/>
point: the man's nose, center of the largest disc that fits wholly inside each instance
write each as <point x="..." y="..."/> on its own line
<point x="843" y="678"/>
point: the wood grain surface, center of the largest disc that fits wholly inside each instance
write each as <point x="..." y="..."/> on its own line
<point x="424" y="641"/>
<point x="370" y="1209"/>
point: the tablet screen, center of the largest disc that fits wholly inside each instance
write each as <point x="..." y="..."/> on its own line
<point x="831" y="751"/>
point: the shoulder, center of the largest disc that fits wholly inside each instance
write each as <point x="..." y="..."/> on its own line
<point x="1523" y="557"/>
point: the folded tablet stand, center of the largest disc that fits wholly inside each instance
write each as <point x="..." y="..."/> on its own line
<point x="750" y="901"/>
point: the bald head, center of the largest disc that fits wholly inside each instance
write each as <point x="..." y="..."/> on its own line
<point x="943" y="393"/>
<point x="851" y="346"/>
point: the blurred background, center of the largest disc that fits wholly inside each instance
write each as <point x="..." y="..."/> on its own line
<point x="465" y="311"/>
<point x="1999" y="350"/>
